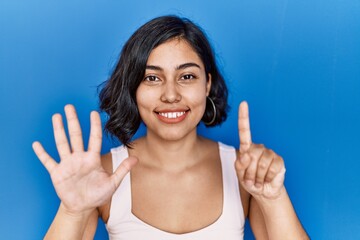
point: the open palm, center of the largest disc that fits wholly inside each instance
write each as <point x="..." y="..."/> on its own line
<point x="79" y="179"/>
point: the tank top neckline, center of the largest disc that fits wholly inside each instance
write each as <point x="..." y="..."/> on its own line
<point x="206" y="228"/>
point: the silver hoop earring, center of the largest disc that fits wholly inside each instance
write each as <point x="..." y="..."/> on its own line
<point x="214" y="108"/>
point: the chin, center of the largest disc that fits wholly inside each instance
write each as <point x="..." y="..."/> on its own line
<point x="173" y="134"/>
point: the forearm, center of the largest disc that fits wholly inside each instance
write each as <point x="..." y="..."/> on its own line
<point x="280" y="218"/>
<point x="67" y="225"/>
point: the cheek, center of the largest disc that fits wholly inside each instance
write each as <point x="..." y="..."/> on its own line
<point x="144" y="99"/>
<point x="141" y="96"/>
<point x="196" y="97"/>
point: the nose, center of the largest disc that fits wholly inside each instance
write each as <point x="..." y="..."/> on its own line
<point x="170" y="93"/>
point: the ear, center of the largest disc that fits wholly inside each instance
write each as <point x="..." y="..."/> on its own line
<point x="208" y="85"/>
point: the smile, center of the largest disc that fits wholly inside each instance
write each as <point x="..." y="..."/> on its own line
<point x="171" y="114"/>
<point x="172" y="117"/>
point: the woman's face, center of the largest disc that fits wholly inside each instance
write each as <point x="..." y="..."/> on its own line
<point x="172" y="96"/>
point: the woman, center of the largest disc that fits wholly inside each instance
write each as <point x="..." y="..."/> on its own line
<point x="181" y="185"/>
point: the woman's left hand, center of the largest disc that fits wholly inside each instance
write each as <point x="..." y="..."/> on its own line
<point x="260" y="171"/>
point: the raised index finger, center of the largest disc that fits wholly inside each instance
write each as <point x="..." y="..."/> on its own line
<point x="244" y="127"/>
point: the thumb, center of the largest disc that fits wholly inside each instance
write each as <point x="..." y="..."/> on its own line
<point x="123" y="169"/>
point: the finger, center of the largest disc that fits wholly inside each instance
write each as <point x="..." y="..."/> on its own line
<point x="275" y="168"/>
<point x="255" y="153"/>
<point x="75" y="133"/>
<point x="95" y="138"/>
<point x="244" y="127"/>
<point x="44" y="157"/>
<point x="122" y="170"/>
<point x="263" y="166"/>
<point x="241" y="164"/>
<point x="250" y="173"/>
<point x="61" y="140"/>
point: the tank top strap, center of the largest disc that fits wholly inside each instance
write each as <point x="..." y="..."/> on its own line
<point x="120" y="209"/>
<point x="232" y="209"/>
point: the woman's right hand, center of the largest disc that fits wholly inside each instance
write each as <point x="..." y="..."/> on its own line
<point x="79" y="179"/>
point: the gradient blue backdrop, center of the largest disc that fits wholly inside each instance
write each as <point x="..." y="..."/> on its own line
<point x="297" y="63"/>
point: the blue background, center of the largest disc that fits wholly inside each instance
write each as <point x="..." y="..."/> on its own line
<point x="297" y="63"/>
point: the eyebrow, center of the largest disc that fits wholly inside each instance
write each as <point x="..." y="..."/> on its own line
<point x="182" y="66"/>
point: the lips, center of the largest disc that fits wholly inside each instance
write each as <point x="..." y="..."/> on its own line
<point x="172" y="116"/>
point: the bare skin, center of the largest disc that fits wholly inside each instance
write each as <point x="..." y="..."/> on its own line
<point x="178" y="191"/>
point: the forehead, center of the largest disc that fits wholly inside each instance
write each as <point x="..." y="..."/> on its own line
<point x="173" y="53"/>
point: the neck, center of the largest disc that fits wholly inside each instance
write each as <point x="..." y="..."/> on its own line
<point x="172" y="155"/>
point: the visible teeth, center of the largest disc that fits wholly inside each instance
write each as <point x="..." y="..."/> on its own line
<point x="172" y="114"/>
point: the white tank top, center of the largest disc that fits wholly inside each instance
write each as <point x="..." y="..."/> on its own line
<point x="124" y="225"/>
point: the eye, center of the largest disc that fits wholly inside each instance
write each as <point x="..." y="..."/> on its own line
<point x="188" y="77"/>
<point x="151" y="78"/>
